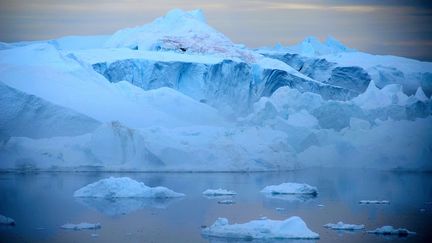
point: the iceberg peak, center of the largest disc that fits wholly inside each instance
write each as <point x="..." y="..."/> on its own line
<point x="176" y="15"/>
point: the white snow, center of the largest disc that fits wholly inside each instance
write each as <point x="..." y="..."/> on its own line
<point x="266" y="229"/>
<point x="124" y="187"/>
<point x="374" y="202"/>
<point x="342" y="226"/>
<point x="6" y="220"/>
<point x="219" y="192"/>
<point x="390" y="230"/>
<point x="81" y="226"/>
<point x="290" y="188"/>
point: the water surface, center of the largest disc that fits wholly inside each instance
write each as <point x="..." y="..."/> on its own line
<point x="41" y="203"/>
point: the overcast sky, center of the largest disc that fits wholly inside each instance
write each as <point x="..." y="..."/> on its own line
<point x="398" y="27"/>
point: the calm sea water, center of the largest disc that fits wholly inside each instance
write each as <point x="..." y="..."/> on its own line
<point x="41" y="203"/>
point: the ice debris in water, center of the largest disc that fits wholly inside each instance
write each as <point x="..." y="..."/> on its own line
<point x="374" y="202"/>
<point x="290" y="188"/>
<point x="291" y="228"/>
<point x="124" y="187"/>
<point x="6" y="220"/>
<point x="81" y="226"/>
<point x="219" y="192"/>
<point x="342" y="226"/>
<point x="226" y="202"/>
<point x="390" y="230"/>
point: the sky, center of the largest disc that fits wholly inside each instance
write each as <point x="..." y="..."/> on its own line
<point x="394" y="27"/>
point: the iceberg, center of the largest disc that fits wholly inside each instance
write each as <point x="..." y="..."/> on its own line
<point x="81" y="226"/>
<point x="342" y="226"/>
<point x="219" y="192"/>
<point x="290" y="188"/>
<point x="6" y="220"/>
<point x="227" y="201"/>
<point x="390" y="230"/>
<point x="374" y="202"/>
<point x="266" y="229"/>
<point x="124" y="187"/>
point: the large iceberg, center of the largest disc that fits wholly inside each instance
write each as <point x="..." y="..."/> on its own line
<point x="124" y="187"/>
<point x="291" y="228"/>
<point x="177" y="95"/>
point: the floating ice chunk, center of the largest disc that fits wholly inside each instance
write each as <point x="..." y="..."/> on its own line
<point x="280" y="209"/>
<point x="390" y="230"/>
<point x="341" y="226"/>
<point x="374" y="202"/>
<point x="219" y="192"/>
<point x="124" y="187"/>
<point x="291" y="228"/>
<point x="81" y="226"/>
<point x="6" y="220"/>
<point x="291" y="188"/>
<point x="320" y="205"/>
<point x="226" y="202"/>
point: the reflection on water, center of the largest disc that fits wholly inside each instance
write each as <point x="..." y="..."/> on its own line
<point x="45" y="201"/>
<point x="121" y="206"/>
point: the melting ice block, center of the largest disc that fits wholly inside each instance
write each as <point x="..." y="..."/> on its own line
<point x="219" y="192"/>
<point x="291" y="228"/>
<point x="81" y="226"/>
<point x="390" y="230"/>
<point x="124" y="187"/>
<point x="6" y="220"/>
<point x="342" y="226"/>
<point x="290" y="188"/>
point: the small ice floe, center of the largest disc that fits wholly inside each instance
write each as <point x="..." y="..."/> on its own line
<point x="290" y="188"/>
<point x="219" y="192"/>
<point x="6" y="220"/>
<point x="374" y="202"/>
<point x="81" y="226"/>
<point x="341" y="226"/>
<point x="390" y="230"/>
<point x="94" y="235"/>
<point x="422" y="210"/>
<point x="124" y="187"/>
<point x="320" y="205"/>
<point x="264" y="229"/>
<point x="226" y="202"/>
<point x="280" y="209"/>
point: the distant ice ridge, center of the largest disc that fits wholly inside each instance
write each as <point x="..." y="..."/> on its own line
<point x="124" y="187"/>
<point x="219" y="192"/>
<point x="6" y="220"/>
<point x="390" y="230"/>
<point x="312" y="46"/>
<point x="290" y="188"/>
<point x="266" y="229"/>
<point x="342" y="226"/>
<point x="81" y="226"/>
